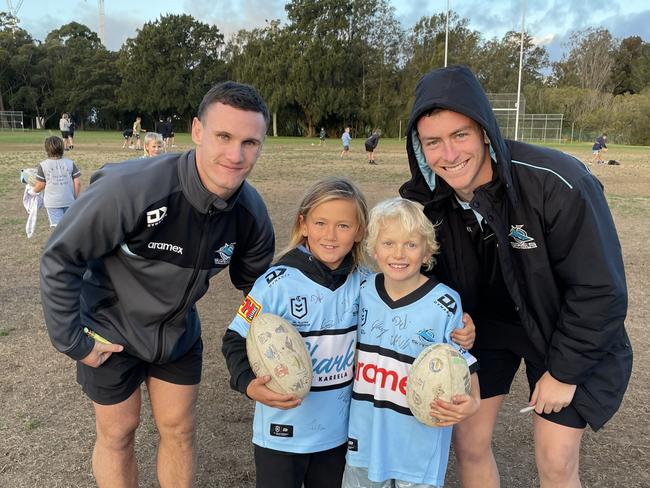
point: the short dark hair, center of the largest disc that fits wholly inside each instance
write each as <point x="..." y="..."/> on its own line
<point x="54" y="147"/>
<point x="237" y="95"/>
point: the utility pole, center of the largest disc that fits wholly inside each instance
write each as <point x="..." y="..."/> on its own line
<point x="521" y="64"/>
<point x="102" y="26"/>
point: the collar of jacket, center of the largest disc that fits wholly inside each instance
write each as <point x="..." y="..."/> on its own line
<point x="196" y="193"/>
<point x="301" y="259"/>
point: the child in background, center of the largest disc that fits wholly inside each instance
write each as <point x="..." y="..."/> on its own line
<point x="345" y="139"/>
<point x="600" y="146"/>
<point x="153" y="144"/>
<point x="128" y="138"/>
<point x="371" y="144"/>
<point x="401" y="313"/>
<point x="314" y="286"/>
<point x="59" y="177"/>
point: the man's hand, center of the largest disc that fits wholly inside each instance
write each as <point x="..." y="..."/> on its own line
<point x="465" y="337"/>
<point x="258" y="391"/>
<point x="551" y="395"/>
<point x="100" y="353"/>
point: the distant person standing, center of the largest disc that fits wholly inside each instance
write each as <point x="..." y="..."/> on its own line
<point x="137" y="128"/>
<point x="59" y="177"/>
<point x="345" y="139"/>
<point x="64" y="127"/>
<point x="371" y="145"/>
<point x="168" y="135"/>
<point x="600" y="146"/>
<point x="71" y="133"/>
<point x="322" y="136"/>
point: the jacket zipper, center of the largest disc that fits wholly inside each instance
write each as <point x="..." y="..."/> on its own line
<point x="173" y="315"/>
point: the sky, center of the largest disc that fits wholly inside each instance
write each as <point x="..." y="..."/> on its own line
<point x="549" y="22"/>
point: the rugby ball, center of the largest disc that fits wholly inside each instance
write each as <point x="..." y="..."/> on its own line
<point x="439" y="372"/>
<point x="275" y="348"/>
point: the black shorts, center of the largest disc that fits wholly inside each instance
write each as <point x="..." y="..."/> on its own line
<point x="499" y="356"/>
<point x="370" y="149"/>
<point x="322" y="469"/>
<point x="65" y="134"/>
<point x="117" y="379"/>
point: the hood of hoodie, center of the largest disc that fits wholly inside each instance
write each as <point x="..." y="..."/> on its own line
<point x="452" y="88"/>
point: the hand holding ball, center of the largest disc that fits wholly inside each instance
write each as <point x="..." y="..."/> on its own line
<point x="275" y="348"/>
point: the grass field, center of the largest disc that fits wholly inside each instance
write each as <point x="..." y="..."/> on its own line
<point x="46" y="423"/>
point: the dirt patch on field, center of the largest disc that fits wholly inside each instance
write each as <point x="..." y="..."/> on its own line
<point x="46" y="423"/>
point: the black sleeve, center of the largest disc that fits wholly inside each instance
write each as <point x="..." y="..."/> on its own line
<point x="234" y="350"/>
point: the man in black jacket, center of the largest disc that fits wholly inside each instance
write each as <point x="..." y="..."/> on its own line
<point x="121" y="275"/>
<point x="527" y="239"/>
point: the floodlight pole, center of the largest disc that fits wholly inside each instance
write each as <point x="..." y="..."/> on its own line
<point x="102" y="22"/>
<point x="446" y="33"/>
<point x="521" y="63"/>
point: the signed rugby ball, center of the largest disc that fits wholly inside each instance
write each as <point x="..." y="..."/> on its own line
<point x="439" y="372"/>
<point x="275" y="348"/>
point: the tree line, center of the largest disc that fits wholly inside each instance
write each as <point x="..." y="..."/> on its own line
<point x="332" y="64"/>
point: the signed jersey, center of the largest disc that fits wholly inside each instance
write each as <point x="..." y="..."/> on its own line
<point x="327" y="320"/>
<point x="384" y="436"/>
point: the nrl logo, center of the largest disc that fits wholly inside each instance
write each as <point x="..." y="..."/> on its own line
<point x="521" y="239"/>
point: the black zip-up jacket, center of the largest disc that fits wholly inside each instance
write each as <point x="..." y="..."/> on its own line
<point x="136" y="251"/>
<point x="557" y="246"/>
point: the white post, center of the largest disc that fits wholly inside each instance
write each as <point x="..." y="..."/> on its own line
<point x="521" y="62"/>
<point x="446" y="33"/>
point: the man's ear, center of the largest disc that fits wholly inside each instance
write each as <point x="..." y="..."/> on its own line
<point x="197" y="131"/>
<point x="486" y="139"/>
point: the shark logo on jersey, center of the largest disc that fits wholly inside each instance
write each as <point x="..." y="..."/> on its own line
<point x="521" y="239"/>
<point x="225" y="253"/>
<point x="298" y="307"/>
<point x="427" y="335"/>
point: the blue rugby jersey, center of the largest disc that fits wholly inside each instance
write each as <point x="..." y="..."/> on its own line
<point x="327" y="320"/>
<point x="384" y="436"/>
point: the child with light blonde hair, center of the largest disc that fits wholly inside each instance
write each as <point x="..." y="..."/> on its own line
<point x="153" y="144"/>
<point x="401" y="312"/>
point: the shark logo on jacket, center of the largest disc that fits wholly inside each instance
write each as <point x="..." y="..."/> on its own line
<point x="521" y="239"/>
<point x="225" y="253"/>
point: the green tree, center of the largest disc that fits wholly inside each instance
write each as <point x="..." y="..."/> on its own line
<point x="497" y="65"/>
<point x="12" y="40"/>
<point x="424" y="49"/>
<point x="261" y="58"/>
<point x="589" y="62"/>
<point x="82" y="73"/>
<point x="324" y="76"/>
<point x="170" y="65"/>
<point x="631" y="71"/>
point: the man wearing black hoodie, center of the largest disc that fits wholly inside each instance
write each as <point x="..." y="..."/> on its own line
<point x="527" y="239"/>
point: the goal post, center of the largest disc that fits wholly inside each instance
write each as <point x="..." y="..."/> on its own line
<point x="532" y="127"/>
<point x="11" y="120"/>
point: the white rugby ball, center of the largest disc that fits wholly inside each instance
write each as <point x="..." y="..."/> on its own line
<point x="275" y="348"/>
<point x="439" y="372"/>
